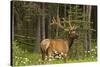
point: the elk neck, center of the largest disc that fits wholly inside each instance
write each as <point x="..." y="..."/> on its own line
<point x="70" y="41"/>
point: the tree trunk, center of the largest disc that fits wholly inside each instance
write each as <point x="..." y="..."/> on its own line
<point x="38" y="35"/>
<point x="43" y="21"/>
<point x="65" y="10"/>
<point x="57" y="29"/>
<point x="89" y="31"/>
<point x="85" y="26"/>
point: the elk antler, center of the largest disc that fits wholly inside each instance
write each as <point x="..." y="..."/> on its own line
<point x="53" y="21"/>
<point x="70" y="25"/>
<point x="58" y="23"/>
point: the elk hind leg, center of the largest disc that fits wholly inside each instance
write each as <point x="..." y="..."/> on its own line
<point x="49" y="54"/>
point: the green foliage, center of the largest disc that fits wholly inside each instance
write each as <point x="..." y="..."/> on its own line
<point x="22" y="56"/>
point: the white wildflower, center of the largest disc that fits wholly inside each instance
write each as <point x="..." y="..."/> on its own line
<point x="92" y="56"/>
<point x="21" y="61"/>
<point x="88" y="51"/>
<point x="49" y="60"/>
<point x="65" y="54"/>
<point x="95" y="52"/>
<point x="61" y="53"/>
<point x="39" y="60"/>
<point x="16" y="40"/>
<point x="20" y="57"/>
<point x="15" y="56"/>
<point x="26" y="59"/>
<point x="56" y="56"/>
<point x="55" y="52"/>
<point x="46" y="58"/>
<point x="92" y="49"/>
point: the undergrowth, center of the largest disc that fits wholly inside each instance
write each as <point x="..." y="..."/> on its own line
<point x="23" y="55"/>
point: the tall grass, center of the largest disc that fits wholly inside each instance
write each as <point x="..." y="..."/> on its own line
<point x="24" y="55"/>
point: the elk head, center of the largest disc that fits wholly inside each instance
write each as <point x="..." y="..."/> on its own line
<point x="72" y="33"/>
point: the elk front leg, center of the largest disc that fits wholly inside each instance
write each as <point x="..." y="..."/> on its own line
<point x="43" y="56"/>
<point x="64" y="57"/>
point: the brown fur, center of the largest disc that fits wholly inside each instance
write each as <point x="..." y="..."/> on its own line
<point x="49" y="47"/>
<point x="58" y="45"/>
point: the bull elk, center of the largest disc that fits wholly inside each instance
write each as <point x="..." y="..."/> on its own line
<point x="51" y="47"/>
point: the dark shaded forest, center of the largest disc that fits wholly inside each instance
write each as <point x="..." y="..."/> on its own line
<point x="31" y="24"/>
